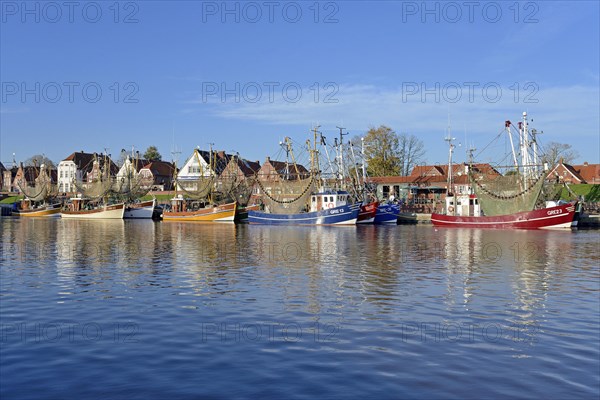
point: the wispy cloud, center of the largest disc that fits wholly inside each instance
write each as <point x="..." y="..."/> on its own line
<point x="559" y="109"/>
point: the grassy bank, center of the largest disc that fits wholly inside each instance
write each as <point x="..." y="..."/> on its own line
<point x="11" y="199"/>
<point x="591" y="193"/>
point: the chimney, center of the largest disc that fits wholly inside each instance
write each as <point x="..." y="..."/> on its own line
<point x="268" y="159"/>
<point x="585" y="164"/>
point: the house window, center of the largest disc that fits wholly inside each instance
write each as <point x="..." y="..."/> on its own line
<point x="386" y="191"/>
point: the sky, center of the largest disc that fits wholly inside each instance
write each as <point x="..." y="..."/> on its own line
<point x="106" y="75"/>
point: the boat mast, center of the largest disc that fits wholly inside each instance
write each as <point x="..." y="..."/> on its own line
<point x="449" y="139"/>
<point x="324" y="144"/>
<point x="286" y="147"/>
<point x="507" y="125"/>
<point x="315" y="153"/>
<point x="354" y="161"/>
<point x="525" y="160"/>
<point x="364" y="168"/>
<point x="291" y="150"/>
<point x="341" y="153"/>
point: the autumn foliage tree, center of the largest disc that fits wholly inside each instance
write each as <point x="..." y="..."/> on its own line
<point x="382" y="151"/>
<point x="388" y="153"/>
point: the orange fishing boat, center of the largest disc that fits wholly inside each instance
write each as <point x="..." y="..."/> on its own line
<point x="211" y="213"/>
<point x="27" y="209"/>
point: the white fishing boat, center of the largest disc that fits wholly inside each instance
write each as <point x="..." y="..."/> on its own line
<point x="140" y="210"/>
<point x="80" y="208"/>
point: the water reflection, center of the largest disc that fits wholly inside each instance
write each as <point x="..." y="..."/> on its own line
<point x="444" y="303"/>
<point x="315" y="270"/>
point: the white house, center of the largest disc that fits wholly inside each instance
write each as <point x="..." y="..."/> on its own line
<point x="76" y="167"/>
<point x="73" y="168"/>
<point x="201" y="164"/>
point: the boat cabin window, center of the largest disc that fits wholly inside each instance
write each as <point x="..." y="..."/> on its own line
<point x="314" y="199"/>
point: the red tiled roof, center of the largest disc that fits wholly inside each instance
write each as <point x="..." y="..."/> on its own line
<point x="429" y="170"/>
<point x="85" y="161"/>
<point x="280" y="167"/>
<point x="160" y="168"/>
<point x="555" y="171"/>
<point x="248" y="168"/>
<point x="589" y="172"/>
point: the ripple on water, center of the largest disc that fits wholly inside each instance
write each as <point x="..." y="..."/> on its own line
<point x="128" y="310"/>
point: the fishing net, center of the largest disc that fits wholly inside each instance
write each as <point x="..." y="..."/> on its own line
<point x="132" y="186"/>
<point x="42" y="189"/>
<point x="233" y="187"/>
<point x="197" y="188"/>
<point x="500" y="195"/>
<point x="285" y="196"/>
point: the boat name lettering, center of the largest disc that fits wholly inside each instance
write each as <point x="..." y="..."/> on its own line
<point x="554" y="212"/>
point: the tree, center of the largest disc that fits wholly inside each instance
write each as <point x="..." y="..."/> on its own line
<point x="388" y="153"/>
<point x="152" y="154"/>
<point x="39" y="159"/>
<point x="411" y="152"/>
<point x="382" y="151"/>
<point x="554" y="151"/>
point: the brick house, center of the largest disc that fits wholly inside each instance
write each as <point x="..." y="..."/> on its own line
<point x="575" y="174"/>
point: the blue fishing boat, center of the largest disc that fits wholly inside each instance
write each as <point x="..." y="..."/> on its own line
<point x="387" y="214"/>
<point x="326" y="208"/>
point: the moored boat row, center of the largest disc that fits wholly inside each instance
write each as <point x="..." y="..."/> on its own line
<point x="217" y="187"/>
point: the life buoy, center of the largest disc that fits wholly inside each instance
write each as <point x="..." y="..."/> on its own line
<point x="329" y="205"/>
<point x="450" y="209"/>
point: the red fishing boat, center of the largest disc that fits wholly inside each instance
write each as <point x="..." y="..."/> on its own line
<point x="510" y="200"/>
<point x="367" y="212"/>
<point x="545" y="218"/>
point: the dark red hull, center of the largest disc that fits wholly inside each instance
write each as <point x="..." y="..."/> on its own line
<point x="546" y="218"/>
<point x="367" y="213"/>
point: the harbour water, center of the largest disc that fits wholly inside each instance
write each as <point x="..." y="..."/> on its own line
<point x="142" y="309"/>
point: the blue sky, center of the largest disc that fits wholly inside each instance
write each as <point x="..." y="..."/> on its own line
<point x="189" y="73"/>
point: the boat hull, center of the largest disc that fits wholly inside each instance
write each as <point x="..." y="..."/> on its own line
<point x="143" y="210"/>
<point x="241" y="213"/>
<point x="367" y="213"/>
<point x="559" y="217"/>
<point x="342" y="215"/>
<point x="113" y="211"/>
<point x="222" y="213"/>
<point x="387" y="214"/>
<point x="52" y="211"/>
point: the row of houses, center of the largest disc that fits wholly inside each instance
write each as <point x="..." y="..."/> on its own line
<point x="86" y="167"/>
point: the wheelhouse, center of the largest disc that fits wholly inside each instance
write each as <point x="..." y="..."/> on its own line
<point x="328" y="199"/>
